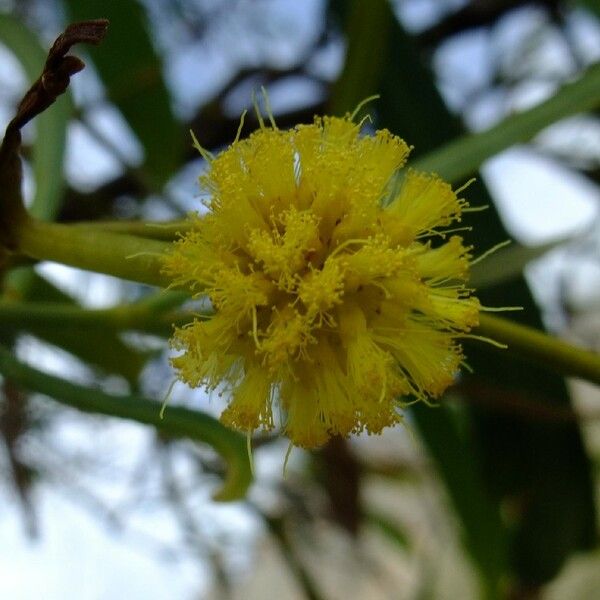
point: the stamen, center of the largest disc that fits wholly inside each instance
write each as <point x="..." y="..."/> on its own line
<point x="491" y="251"/>
<point x="345" y="244"/>
<point x="206" y="155"/>
<point x="257" y="110"/>
<point x="481" y="338"/>
<point x="363" y="103"/>
<point x="501" y="308"/>
<point x="249" y="450"/>
<point x="166" y="399"/>
<point x="475" y="209"/>
<point x="138" y="254"/>
<point x="288" y="453"/>
<point x="463" y="187"/>
<point x="240" y="126"/>
<point x="268" y="107"/>
<point x="255" y="328"/>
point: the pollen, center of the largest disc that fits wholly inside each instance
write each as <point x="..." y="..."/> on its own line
<point x="338" y="294"/>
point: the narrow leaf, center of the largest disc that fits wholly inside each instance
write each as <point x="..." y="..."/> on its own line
<point x="501" y="457"/>
<point x="101" y="348"/>
<point x="177" y="422"/>
<point x="132" y="73"/>
<point x="457" y="160"/>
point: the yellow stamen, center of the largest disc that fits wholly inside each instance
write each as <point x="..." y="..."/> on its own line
<point x="331" y="303"/>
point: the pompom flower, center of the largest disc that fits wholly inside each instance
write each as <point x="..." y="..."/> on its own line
<point x="336" y="297"/>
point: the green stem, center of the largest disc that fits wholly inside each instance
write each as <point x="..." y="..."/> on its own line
<point x="461" y="158"/>
<point x="177" y="422"/>
<point x="124" y="256"/>
<point x="165" y="231"/>
<point x="162" y="300"/>
<point x="538" y="347"/>
<point x="28" y="315"/>
<point x="155" y="315"/>
<point x="43" y="316"/>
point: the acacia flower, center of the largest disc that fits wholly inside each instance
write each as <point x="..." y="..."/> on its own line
<point x="336" y="297"/>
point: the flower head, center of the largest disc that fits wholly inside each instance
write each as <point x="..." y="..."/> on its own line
<point x="335" y="295"/>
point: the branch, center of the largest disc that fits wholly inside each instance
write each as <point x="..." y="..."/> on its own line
<point x="479" y="13"/>
<point x="125" y="256"/>
<point x="37" y="317"/>
<point x="53" y="81"/>
<point x="177" y="422"/>
<point x="535" y="346"/>
<point x="57" y="71"/>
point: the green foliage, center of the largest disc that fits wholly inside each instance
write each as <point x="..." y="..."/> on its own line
<point x="177" y="422"/>
<point x="592" y="5"/>
<point x="508" y="263"/>
<point x="518" y="461"/>
<point x="460" y="158"/>
<point x="100" y="349"/>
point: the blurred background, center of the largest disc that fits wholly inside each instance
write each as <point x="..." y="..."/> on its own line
<point x="492" y="494"/>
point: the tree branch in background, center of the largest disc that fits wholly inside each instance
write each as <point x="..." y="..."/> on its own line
<point x="14" y="423"/>
<point x="212" y="127"/>
<point x="480" y="13"/>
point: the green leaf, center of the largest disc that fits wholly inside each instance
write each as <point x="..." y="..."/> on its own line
<point x="457" y="160"/>
<point x="366" y="54"/>
<point x="102" y="349"/>
<point x="407" y="99"/>
<point x="51" y="125"/>
<point x="456" y="456"/>
<point x="38" y="288"/>
<point x="537" y="466"/>
<point x="592" y="5"/>
<point x="151" y="315"/>
<point x="177" y="422"/>
<point x="132" y="73"/>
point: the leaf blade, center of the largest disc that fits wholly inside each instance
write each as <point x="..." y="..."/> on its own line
<point x="177" y="422"/>
<point x="410" y="105"/>
<point x="132" y="73"/>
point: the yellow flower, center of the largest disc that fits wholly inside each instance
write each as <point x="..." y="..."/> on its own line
<point x="336" y="298"/>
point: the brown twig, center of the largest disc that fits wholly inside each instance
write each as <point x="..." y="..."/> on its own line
<point x="58" y="70"/>
<point x="480" y="13"/>
<point x="14" y="423"/>
<point x="53" y="81"/>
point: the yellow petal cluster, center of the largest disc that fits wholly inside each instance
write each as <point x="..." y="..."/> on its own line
<point x="337" y="297"/>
